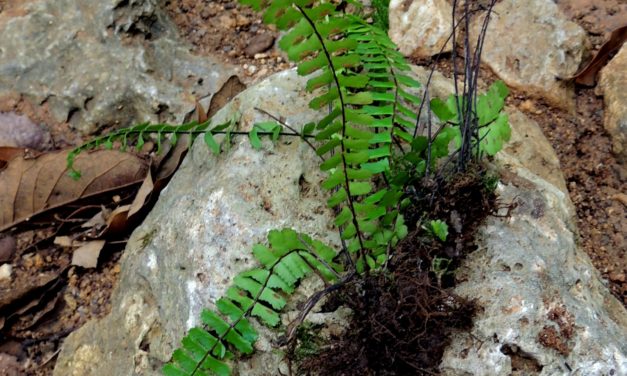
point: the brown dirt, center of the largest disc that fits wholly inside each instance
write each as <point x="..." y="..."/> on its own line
<point x="231" y="31"/>
<point x="594" y="178"/>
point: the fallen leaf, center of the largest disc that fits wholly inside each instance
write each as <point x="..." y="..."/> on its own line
<point x="587" y="75"/>
<point x="142" y="195"/>
<point x="87" y="255"/>
<point x="20" y="288"/>
<point x="172" y="162"/>
<point x="117" y="222"/>
<point x="97" y="221"/>
<point x="7" y="153"/>
<point x="31" y="186"/>
<point x="27" y="311"/>
<point x="44" y="305"/>
<point x="202" y="114"/>
<point x="228" y="91"/>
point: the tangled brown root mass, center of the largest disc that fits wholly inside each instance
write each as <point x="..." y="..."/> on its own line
<point x="403" y="317"/>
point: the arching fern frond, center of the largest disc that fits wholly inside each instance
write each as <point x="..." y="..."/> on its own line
<point x="286" y="260"/>
<point x="356" y="73"/>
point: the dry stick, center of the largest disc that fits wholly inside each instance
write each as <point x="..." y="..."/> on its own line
<point x="50" y="358"/>
<point x="426" y="87"/>
<point x="478" y="52"/>
<point x="311" y="302"/>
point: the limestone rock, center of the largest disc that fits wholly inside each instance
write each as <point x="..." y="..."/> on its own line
<point x="529" y="149"/>
<point x="421" y="28"/>
<point x="544" y="309"/>
<point x="101" y="63"/>
<point x="612" y="83"/>
<point x="199" y="236"/>
<point x="531" y="45"/>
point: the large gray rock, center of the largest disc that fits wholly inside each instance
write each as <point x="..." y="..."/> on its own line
<point x="531" y="45"/>
<point x="421" y="28"/>
<point x="199" y="236"/>
<point x="612" y="84"/>
<point x="97" y="64"/>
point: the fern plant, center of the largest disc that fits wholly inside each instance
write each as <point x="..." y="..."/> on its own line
<point x="372" y="150"/>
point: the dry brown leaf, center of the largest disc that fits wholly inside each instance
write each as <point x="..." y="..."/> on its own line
<point x="37" y="299"/>
<point x="117" y="221"/>
<point x="200" y="111"/>
<point x="32" y="186"/>
<point x="171" y="163"/>
<point x="587" y="75"/>
<point x="7" y="153"/>
<point x="45" y="304"/>
<point x="142" y="195"/>
<point x="230" y="89"/>
<point x="87" y="255"/>
<point x="20" y="288"/>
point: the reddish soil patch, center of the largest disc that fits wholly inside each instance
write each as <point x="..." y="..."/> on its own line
<point x="595" y="181"/>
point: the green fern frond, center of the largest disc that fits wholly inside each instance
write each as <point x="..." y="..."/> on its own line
<point x="137" y="134"/>
<point x="357" y="73"/>
<point x="260" y="292"/>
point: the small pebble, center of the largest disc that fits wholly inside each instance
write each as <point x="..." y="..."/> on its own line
<point x="5" y="272"/>
<point x="7" y="248"/>
<point x="19" y="131"/>
<point x="617" y="277"/>
<point x="259" y="43"/>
